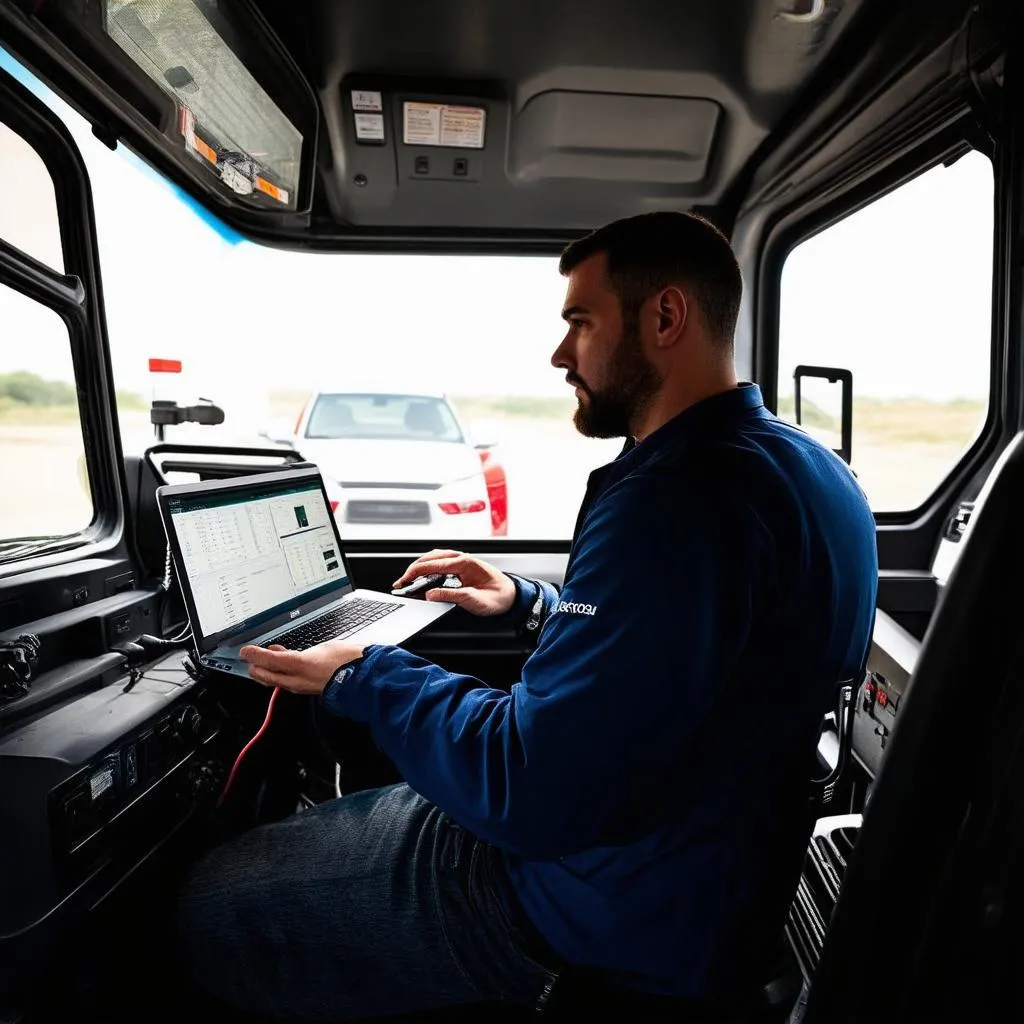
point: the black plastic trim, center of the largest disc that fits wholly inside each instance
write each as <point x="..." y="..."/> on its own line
<point x="76" y="296"/>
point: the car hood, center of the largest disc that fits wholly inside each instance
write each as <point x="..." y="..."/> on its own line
<point x="357" y="460"/>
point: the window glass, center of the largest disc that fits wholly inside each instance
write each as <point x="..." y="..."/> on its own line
<point x="900" y="293"/>
<point x="259" y="331"/>
<point x="42" y="455"/>
<point x="28" y="205"/>
<point x="381" y="416"/>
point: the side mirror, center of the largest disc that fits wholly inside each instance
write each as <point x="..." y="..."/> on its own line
<point x="817" y="405"/>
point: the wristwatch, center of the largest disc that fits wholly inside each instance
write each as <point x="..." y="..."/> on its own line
<point x="532" y="623"/>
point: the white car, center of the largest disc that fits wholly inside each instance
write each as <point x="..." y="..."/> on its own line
<point x="396" y="464"/>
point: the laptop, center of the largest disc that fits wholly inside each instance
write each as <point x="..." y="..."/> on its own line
<point x="260" y="561"/>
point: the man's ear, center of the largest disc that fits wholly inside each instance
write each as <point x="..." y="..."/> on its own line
<point x="672" y="311"/>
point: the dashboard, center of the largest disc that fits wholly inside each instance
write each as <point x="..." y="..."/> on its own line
<point x="93" y="786"/>
<point x="113" y="759"/>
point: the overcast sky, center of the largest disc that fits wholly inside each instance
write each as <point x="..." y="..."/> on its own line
<point x="244" y="319"/>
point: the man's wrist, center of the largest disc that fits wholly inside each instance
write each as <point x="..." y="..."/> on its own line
<point x="525" y="597"/>
<point x="341" y="673"/>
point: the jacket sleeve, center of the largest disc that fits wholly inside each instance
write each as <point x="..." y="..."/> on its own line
<point x="534" y="602"/>
<point x="650" y="624"/>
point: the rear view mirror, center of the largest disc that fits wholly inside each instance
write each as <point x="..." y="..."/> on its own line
<point x="822" y="409"/>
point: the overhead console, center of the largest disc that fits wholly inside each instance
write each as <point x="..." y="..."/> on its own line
<point x="432" y="153"/>
<point x="398" y="141"/>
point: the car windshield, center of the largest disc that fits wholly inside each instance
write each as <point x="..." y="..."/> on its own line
<point x="401" y="417"/>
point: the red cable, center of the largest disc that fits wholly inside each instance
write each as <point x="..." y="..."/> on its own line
<point x="245" y="750"/>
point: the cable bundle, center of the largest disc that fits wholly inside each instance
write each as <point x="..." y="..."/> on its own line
<point x="18" y="660"/>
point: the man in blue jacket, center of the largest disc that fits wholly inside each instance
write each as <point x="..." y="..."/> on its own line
<point x="637" y="804"/>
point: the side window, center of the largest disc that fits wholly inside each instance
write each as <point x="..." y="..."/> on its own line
<point x="900" y="293"/>
<point x="42" y="453"/>
<point x="28" y="206"/>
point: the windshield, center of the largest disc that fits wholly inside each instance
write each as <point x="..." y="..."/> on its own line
<point x="194" y="311"/>
<point x="382" y="417"/>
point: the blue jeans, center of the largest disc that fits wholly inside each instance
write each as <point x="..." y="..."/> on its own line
<point x="375" y="903"/>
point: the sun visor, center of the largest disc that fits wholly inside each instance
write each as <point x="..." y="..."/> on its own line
<point x="213" y="81"/>
<point x="663" y="140"/>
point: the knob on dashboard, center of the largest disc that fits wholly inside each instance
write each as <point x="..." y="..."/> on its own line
<point x="202" y="779"/>
<point x="188" y="723"/>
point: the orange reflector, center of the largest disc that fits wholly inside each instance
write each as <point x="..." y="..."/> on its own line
<point x="165" y="366"/>
<point x="280" y="194"/>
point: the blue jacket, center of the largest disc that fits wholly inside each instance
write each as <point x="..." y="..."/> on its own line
<point x="647" y="778"/>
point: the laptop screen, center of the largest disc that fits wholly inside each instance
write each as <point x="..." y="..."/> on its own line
<point x="253" y="553"/>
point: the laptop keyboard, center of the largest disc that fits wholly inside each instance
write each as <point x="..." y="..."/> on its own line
<point x="343" y="621"/>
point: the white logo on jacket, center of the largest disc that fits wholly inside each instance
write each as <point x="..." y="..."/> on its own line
<point x="576" y="608"/>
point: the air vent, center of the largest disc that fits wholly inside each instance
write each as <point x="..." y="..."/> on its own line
<point x="118" y="584"/>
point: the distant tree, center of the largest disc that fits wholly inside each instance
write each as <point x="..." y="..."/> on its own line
<point x="30" y="389"/>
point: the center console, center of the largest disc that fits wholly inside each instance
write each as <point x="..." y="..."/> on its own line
<point x="877" y="703"/>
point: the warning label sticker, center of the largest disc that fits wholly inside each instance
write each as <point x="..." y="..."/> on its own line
<point x="365" y="99"/>
<point x="369" y="127"/>
<point x="440" y="124"/>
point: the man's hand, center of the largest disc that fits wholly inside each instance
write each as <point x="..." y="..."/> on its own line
<point x="306" y="671"/>
<point x="484" y="591"/>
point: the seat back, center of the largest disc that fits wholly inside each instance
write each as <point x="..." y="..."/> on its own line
<point x="900" y="879"/>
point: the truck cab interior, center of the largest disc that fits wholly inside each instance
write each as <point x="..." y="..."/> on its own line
<point x="864" y="158"/>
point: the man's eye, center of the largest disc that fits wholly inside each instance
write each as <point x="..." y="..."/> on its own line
<point x="576" y="324"/>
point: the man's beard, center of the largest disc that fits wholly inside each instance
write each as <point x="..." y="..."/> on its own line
<point x="632" y="381"/>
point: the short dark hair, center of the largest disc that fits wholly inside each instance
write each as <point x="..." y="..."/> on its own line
<point x="653" y="250"/>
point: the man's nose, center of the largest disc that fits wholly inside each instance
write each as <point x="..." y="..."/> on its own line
<point x="559" y="358"/>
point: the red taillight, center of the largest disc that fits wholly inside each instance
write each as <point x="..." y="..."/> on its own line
<point x="334" y="505"/>
<point x="497" y="492"/>
<point x="453" y="508"/>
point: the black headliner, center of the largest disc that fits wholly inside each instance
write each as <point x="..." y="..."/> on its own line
<point x="753" y="58"/>
<point x="597" y="108"/>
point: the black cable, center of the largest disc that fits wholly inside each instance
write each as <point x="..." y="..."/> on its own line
<point x="18" y="660"/>
<point x="147" y="647"/>
<point x="134" y="655"/>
